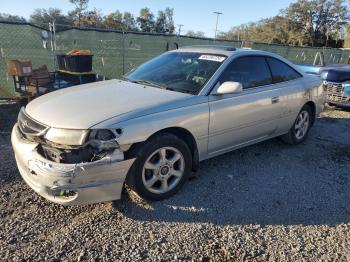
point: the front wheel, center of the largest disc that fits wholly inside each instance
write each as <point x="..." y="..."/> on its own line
<point x="301" y="127"/>
<point x="162" y="166"/>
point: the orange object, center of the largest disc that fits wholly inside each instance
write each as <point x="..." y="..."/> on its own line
<point x="71" y="52"/>
<point x="79" y="52"/>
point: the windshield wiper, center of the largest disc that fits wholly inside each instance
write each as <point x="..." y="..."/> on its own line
<point x="150" y="83"/>
<point x="146" y="82"/>
<point x="125" y="79"/>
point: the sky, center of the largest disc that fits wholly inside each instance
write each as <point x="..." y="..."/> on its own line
<point x="195" y="15"/>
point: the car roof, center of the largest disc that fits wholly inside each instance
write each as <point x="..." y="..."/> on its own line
<point x="233" y="51"/>
<point x="209" y="49"/>
<point x="219" y="50"/>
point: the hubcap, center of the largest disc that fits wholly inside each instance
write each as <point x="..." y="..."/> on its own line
<point x="302" y="125"/>
<point x="163" y="170"/>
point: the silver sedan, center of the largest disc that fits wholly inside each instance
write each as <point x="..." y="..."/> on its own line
<point x="151" y="128"/>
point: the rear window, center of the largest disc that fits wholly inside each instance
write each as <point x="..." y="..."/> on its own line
<point x="281" y="72"/>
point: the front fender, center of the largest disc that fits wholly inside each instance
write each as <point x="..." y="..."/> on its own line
<point x="194" y="118"/>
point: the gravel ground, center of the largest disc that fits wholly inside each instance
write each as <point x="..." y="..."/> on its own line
<point x="270" y="201"/>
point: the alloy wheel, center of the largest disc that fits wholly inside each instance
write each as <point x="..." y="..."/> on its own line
<point x="163" y="170"/>
<point x="302" y="125"/>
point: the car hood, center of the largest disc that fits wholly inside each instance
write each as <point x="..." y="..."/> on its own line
<point x="84" y="106"/>
<point x="336" y="73"/>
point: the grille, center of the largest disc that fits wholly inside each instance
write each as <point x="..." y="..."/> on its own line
<point x="29" y="126"/>
<point x="335" y="93"/>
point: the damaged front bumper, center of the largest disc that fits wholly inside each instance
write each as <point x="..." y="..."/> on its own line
<point x="338" y="94"/>
<point x="69" y="184"/>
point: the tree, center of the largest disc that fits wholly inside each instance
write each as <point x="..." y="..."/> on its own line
<point x="46" y="16"/>
<point x="169" y="13"/>
<point x="129" y="21"/>
<point x="114" y="20"/>
<point x="275" y="30"/>
<point x="79" y="11"/>
<point x="120" y="21"/>
<point x="318" y="20"/>
<point x="305" y="22"/>
<point x="11" y="18"/>
<point x="146" y="20"/>
<point x="165" y="21"/>
<point x="271" y="30"/>
<point x="92" y="18"/>
<point x="161" y="23"/>
<point x="195" y="34"/>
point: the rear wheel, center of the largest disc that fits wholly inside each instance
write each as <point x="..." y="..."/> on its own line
<point x="301" y="127"/>
<point x="162" y="166"/>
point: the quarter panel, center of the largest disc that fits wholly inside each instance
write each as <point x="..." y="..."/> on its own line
<point x="292" y="99"/>
<point x="296" y="94"/>
<point x="317" y="92"/>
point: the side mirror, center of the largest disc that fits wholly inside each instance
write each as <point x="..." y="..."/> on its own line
<point x="229" y="88"/>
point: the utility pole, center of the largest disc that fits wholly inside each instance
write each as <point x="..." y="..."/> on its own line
<point x="180" y="26"/>
<point x="217" y="21"/>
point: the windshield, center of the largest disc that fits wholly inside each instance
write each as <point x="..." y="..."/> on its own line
<point x="178" y="71"/>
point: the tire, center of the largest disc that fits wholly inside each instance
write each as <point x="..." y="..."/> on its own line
<point x="296" y="134"/>
<point x="163" y="164"/>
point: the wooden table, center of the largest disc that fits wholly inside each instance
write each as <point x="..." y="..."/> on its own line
<point x="77" y="78"/>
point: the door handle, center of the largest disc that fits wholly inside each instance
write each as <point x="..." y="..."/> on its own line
<point x="275" y="100"/>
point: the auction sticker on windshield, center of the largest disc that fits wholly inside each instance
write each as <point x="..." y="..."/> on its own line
<point x="212" y="58"/>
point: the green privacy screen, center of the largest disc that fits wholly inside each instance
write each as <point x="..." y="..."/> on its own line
<point x="115" y="53"/>
<point x="18" y="41"/>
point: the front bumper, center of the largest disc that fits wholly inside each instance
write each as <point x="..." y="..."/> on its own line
<point x="336" y="94"/>
<point x="88" y="182"/>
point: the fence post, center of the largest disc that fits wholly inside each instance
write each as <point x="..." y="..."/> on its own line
<point x="123" y="44"/>
<point x="52" y="28"/>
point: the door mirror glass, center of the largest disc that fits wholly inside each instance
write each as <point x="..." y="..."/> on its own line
<point x="229" y="88"/>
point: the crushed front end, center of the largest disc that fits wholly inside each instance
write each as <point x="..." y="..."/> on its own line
<point x="338" y="93"/>
<point x="89" y="167"/>
<point x="337" y="83"/>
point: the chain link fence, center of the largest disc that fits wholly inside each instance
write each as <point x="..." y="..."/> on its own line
<point x="117" y="52"/>
<point x="307" y="55"/>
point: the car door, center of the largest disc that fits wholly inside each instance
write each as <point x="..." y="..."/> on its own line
<point x="291" y="83"/>
<point x="239" y="119"/>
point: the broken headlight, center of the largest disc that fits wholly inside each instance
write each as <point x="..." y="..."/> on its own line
<point x="104" y="139"/>
<point x="103" y="135"/>
<point x="72" y="137"/>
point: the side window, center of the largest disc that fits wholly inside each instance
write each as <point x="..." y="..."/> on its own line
<point x="281" y="72"/>
<point x="251" y="71"/>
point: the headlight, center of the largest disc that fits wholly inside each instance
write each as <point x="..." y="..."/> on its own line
<point x="105" y="134"/>
<point x="71" y="137"/>
<point x="346" y="88"/>
<point x="104" y="139"/>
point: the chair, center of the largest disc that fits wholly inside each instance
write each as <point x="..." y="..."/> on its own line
<point x="41" y="81"/>
<point x="32" y="82"/>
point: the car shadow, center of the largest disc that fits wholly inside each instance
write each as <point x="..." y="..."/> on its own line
<point x="270" y="183"/>
<point x="339" y="108"/>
